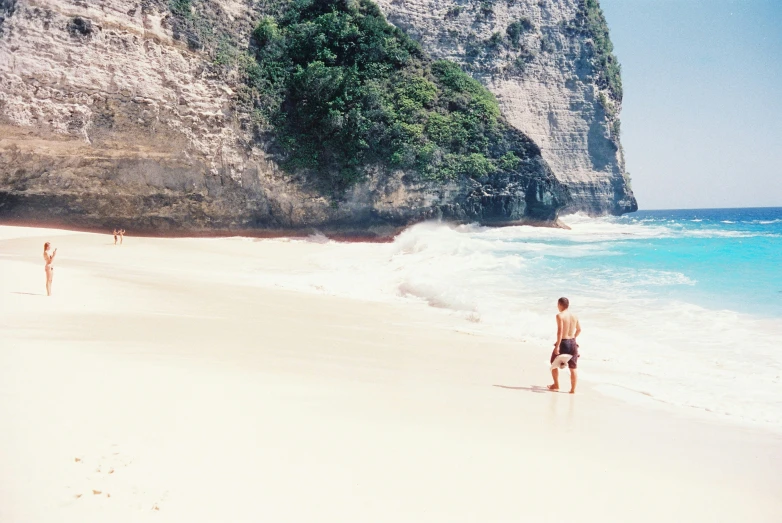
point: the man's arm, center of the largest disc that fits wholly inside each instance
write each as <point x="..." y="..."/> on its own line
<point x="578" y="328"/>
<point x="559" y="335"/>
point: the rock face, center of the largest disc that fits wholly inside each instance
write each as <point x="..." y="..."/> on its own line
<point x="545" y="84"/>
<point x="117" y="113"/>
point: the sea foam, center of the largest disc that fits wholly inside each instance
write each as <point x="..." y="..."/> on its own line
<point x="658" y="298"/>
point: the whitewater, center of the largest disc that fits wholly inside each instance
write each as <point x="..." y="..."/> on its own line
<point x="682" y="308"/>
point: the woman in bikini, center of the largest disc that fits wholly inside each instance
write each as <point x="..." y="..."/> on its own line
<point x="49" y="258"/>
<point x="115" y="236"/>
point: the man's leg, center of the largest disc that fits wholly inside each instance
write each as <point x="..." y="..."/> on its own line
<point x="555" y="375"/>
<point x="573" y="380"/>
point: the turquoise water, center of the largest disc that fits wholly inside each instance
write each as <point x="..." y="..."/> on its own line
<point x="717" y="258"/>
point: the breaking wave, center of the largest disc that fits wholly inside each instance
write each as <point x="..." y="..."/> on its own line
<point x="675" y="309"/>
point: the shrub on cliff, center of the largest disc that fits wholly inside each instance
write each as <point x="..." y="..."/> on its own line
<point x="517" y="28"/>
<point x="342" y="89"/>
<point x="591" y="22"/>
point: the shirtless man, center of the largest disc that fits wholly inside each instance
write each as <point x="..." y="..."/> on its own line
<point x="568" y="330"/>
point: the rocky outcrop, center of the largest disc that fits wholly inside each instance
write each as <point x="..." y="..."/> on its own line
<point x="119" y="113"/>
<point x="545" y="80"/>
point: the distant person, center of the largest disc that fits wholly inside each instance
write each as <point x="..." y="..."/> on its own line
<point x="568" y="329"/>
<point x="115" y="236"/>
<point x="121" y="235"/>
<point x="49" y="259"/>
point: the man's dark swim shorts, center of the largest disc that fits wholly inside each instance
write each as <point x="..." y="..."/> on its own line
<point x="567" y="347"/>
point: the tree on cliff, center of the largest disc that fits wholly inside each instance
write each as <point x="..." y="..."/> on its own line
<point x="342" y="90"/>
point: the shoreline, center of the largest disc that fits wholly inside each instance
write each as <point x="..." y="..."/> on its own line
<point x="338" y="233"/>
<point x="463" y="322"/>
<point x="213" y="397"/>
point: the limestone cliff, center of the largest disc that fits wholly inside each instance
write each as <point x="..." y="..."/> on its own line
<point x="120" y="112"/>
<point x="547" y="82"/>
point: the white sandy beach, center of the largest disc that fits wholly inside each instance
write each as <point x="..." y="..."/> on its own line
<point x="163" y="382"/>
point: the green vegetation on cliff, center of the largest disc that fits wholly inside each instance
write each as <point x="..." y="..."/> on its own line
<point x="342" y="90"/>
<point x="197" y="23"/>
<point x="591" y="22"/>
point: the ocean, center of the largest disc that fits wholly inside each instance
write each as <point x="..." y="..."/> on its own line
<point x="679" y="307"/>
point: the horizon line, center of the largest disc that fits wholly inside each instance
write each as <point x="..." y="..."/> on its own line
<point x="708" y="208"/>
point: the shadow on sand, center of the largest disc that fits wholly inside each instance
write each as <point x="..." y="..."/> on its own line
<point x="533" y="388"/>
<point x="27" y="293"/>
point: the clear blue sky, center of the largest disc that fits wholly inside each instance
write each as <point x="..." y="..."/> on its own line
<point x="702" y="111"/>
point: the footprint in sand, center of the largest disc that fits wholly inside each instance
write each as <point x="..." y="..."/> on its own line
<point x="100" y="477"/>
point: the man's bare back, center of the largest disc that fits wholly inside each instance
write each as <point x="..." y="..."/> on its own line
<point x="568" y="322"/>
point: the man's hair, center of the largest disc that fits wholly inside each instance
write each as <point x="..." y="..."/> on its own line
<point x="564" y="302"/>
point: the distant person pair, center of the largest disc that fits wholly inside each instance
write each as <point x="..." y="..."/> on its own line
<point x="120" y="233"/>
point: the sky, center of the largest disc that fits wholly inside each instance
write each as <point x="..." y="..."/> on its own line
<point x="702" y="110"/>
